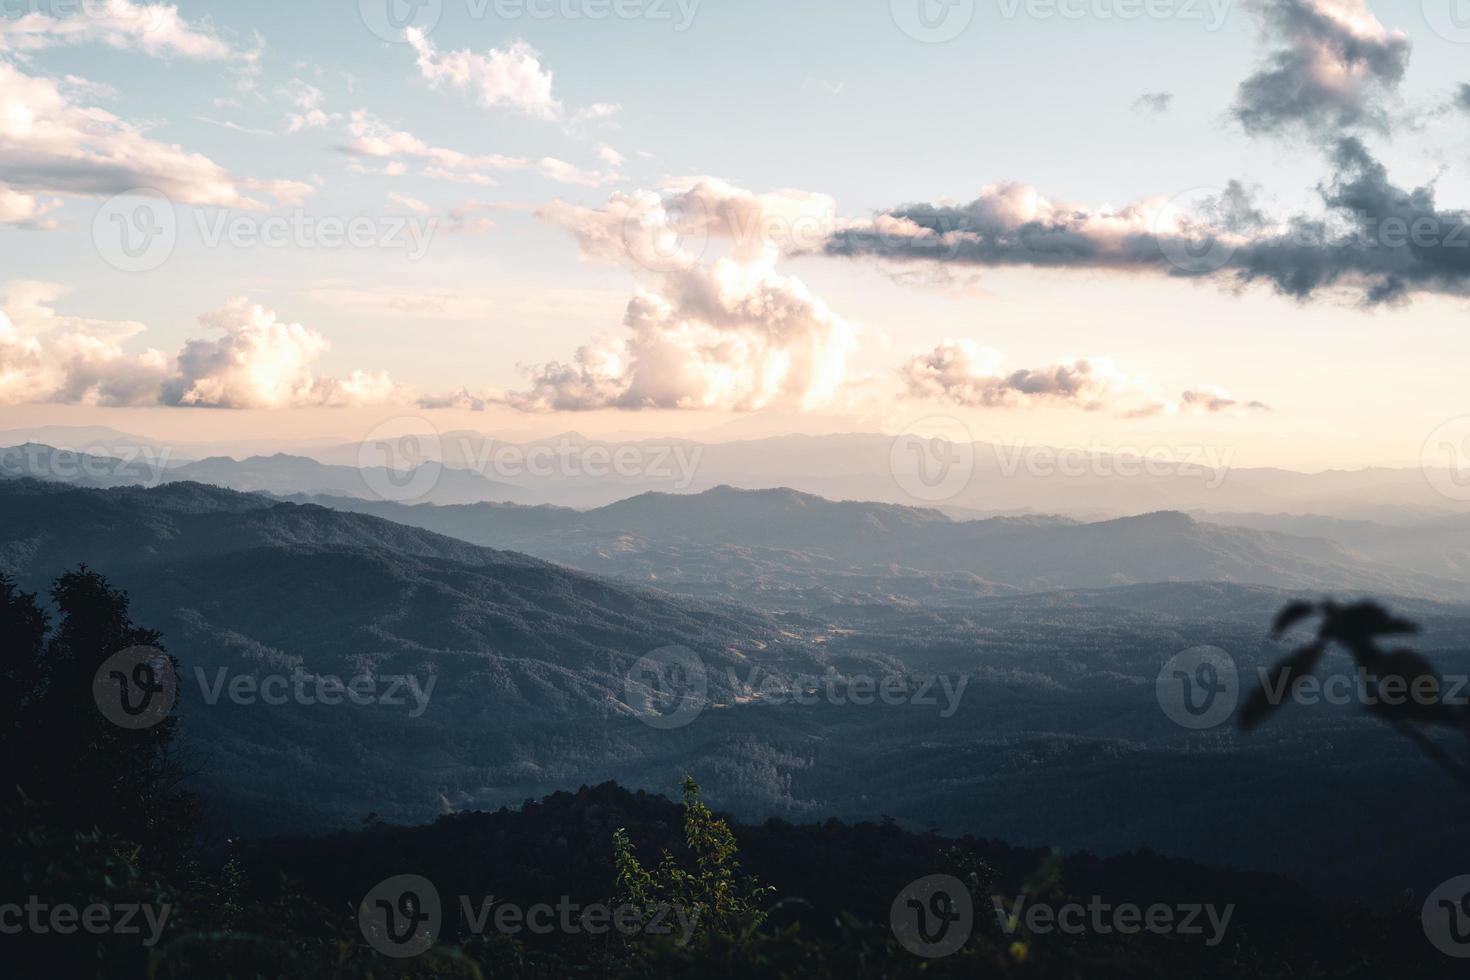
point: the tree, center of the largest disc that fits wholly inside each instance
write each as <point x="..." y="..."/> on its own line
<point x="61" y="751"/>
<point x="23" y="627"/>
<point x="715" y="896"/>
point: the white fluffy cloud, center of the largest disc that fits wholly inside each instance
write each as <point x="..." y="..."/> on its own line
<point x="512" y="76"/>
<point x="259" y="361"/>
<point x="961" y="373"/>
<point x="153" y="28"/>
<point x="26" y="210"/>
<point x="264" y="362"/>
<point x="729" y="333"/>
<point x="48" y="142"/>
<point x="48" y="357"/>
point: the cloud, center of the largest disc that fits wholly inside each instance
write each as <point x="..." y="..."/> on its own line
<point x="1380" y="241"/>
<point x="613" y="158"/>
<point x="22" y="379"/>
<point x="234" y="126"/>
<point x="307" y="99"/>
<point x="565" y="173"/>
<point x="676" y="228"/>
<point x="373" y="138"/>
<point x="1374" y="240"/>
<point x="258" y="362"/>
<point x="402" y="202"/>
<point x="963" y="374"/>
<point x="26" y="211"/>
<point x="1333" y="66"/>
<point x="467" y="217"/>
<point x="1462" y="97"/>
<point x="462" y="400"/>
<point x="511" y="77"/>
<point x="730" y="333"/>
<point x="155" y="29"/>
<point x="262" y="362"/>
<point x="594" y="113"/>
<point x="1214" y="400"/>
<point x="50" y="143"/>
<point x="310" y="119"/>
<point x="1015" y="224"/>
<point x="1154" y="103"/>
<point x="48" y="357"/>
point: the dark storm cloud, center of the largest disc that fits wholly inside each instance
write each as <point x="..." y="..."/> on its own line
<point x="1372" y="238"/>
<point x="1332" y="66"/>
<point x="1462" y="97"/>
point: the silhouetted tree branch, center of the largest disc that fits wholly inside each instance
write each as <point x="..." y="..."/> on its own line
<point x="1399" y="686"/>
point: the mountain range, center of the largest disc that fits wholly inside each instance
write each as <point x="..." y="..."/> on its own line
<point x="765" y="543"/>
<point x="470" y="467"/>
<point x="1053" y="735"/>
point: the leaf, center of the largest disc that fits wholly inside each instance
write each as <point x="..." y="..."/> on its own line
<point x="1292" y="615"/>
<point x="1368" y="620"/>
<point x="1299" y="664"/>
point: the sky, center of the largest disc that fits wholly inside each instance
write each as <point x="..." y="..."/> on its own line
<point x="1112" y="223"/>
